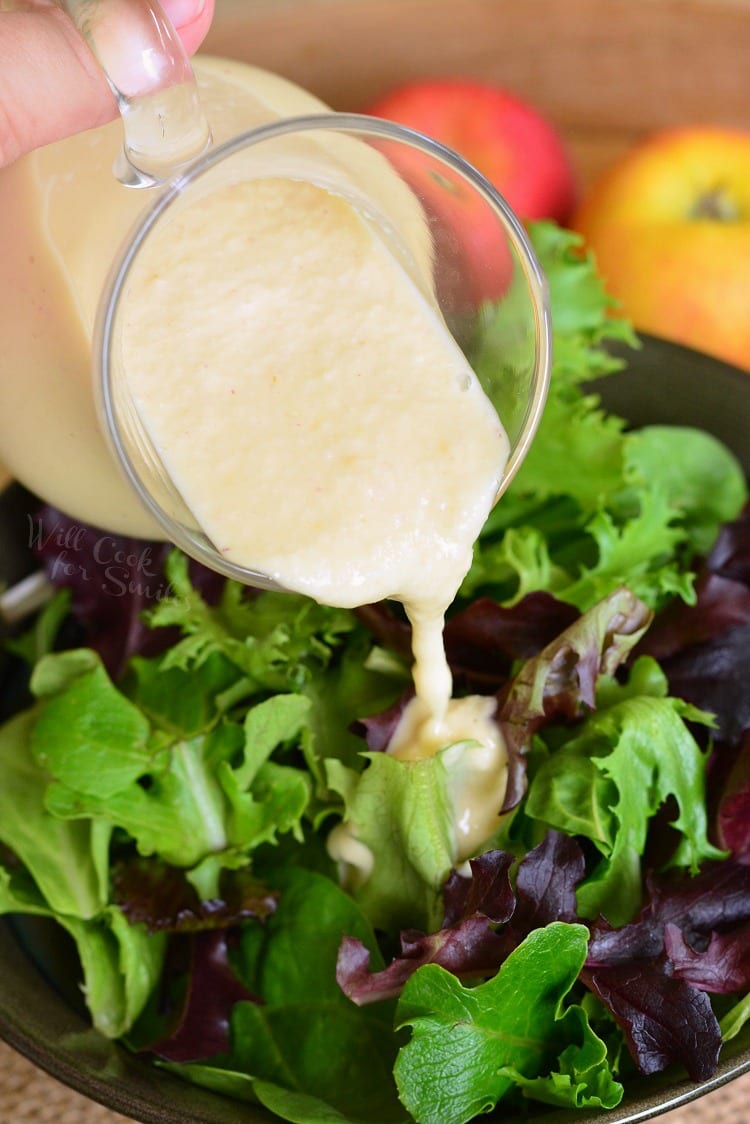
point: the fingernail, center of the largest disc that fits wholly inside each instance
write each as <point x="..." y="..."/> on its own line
<point x="183" y="12"/>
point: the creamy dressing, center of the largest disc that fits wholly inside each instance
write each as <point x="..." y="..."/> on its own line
<point x="475" y="758"/>
<point x="311" y="407"/>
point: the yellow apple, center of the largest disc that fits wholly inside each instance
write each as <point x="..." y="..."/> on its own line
<point x="669" y="224"/>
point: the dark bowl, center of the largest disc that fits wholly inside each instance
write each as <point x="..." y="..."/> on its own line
<point x="41" y="1013"/>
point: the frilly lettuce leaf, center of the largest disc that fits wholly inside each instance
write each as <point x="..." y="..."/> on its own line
<point x="647" y="500"/>
<point x="611" y="777"/>
<point x="210" y="795"/>
<point x="275" y="640"/>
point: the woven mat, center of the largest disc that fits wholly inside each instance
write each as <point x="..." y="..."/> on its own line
<point x="28" y="1096"/>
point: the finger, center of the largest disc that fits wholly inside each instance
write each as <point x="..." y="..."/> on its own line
<point x="192" y="18"/>
<point x="50" y="83"/>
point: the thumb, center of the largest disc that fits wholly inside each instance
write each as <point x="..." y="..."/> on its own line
<point x="50" y="84"/>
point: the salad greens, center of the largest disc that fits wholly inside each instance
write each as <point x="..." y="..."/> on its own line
<point x="168" y="794"/>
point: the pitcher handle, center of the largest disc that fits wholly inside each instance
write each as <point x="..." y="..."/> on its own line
<point x="149" y="72"/>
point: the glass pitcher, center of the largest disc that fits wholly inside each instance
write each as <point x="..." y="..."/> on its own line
<point x="68" y="428"/>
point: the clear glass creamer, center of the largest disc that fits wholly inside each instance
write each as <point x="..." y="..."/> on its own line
<point x="82" y="444"/>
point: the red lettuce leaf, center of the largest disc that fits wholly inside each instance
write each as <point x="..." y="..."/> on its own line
<point x="546" y="884"/>
<point x="486" y="892"/>
<point x="555" y="683"/>
<point x="558" y="682"/>
<point x="378" y="729"/>
<point x="733" y="812"/>
<point x="730" y="555"/>
<point x="664" y="1020"/>
<point x="722" y="968"/>
<point x="470" y="949"/>
<point x="721" y="605"/>
<point x="657" y="1002"/>
<point x="160" y="897"/>
<point x="467" y="945"/>
<point x="199" y="1024"/>
<point x="716" y="899"/>
<point x="714" y="676"/>
<point x="704" y="649"/>
<point x="484" y="640"/>
<point x="387" y="628"/>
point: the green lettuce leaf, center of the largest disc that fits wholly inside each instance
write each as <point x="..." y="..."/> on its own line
<point x="735" y="1018"/>
<point x="471" y="1046"/>
<point x="19" y="894"/>
<point x="210" y="794"/>
<point x="275" y="640"/>
<point x="68" y="861"/>
<point x="635" y="506"/>
<point x="402" y="812"/>
<point x="308" y="1047"/>
<point x="121" y="965"/>
<point x="87" y="734"/>
<point x="608" y="780"/>
<point x="703" y="481"/>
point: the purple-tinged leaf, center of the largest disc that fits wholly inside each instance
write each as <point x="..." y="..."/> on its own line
<point x="704" y="649"/>
<point x="484" y="640"/>
<point x="160" y="897"/>
<point x="664" y="1020"/>
<point x="470" y="948"/>
<point x="200" y="1026"/>
<point x="546" y="883"/>
<point x="716" y="899"/>
<point x="562" y="678"/>
<point x="486" y="892"/>
<point x="733" y="814"/>
<point x="642" y="939"/>
<point x="721" y="605"/>
<point x="730" y="554"/>
<point x="378" y="729"/>
<point x="467" y="945"/>
<point x="722" y="596"/>
<point x="722" y="968"/>
<point x="714" y="677"/>
<point x="388" y="629"/>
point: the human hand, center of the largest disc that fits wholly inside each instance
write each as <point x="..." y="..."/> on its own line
<point x="50" y="83"/>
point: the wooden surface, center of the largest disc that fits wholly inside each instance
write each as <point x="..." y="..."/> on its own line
<point x="606" y="71"/>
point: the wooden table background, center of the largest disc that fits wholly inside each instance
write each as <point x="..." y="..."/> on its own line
<point x="605" y="71"/>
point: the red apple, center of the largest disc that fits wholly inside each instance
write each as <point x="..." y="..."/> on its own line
<point x="505" y="139"/>
<point x="513" y="145"/>
<point x="669" y="224"/>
